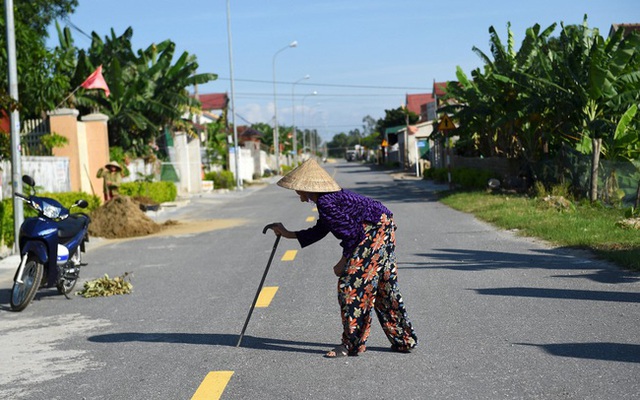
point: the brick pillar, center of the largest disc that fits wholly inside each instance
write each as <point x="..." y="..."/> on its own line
<point x="64" y="122"/>
<point x="96" y="151"/>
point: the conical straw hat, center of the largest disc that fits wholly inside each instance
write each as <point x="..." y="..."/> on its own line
<point x="309" y="177"/>
<point x="113" y="164"/>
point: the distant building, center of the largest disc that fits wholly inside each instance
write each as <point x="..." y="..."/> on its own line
<point x="419" y="104"/>
<point x="214" y="105"/>
<point x="628" y="28"/>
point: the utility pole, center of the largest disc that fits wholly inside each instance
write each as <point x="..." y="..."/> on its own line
<point x="236" y="149"/>
<point x="16" y="163"/>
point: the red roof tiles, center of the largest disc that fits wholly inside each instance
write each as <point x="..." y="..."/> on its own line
<point x="439" y="88"/>
<point x="214" y="101"/>
<point x="416" y="101"/>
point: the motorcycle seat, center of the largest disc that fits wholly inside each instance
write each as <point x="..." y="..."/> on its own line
<point x="71" y="226"/>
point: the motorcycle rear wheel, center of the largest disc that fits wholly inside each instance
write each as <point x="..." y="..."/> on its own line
<point x="23" y="293"/>
<point x="65" y="286"/>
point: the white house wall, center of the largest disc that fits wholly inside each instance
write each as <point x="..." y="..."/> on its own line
<point x="50" y="173"/>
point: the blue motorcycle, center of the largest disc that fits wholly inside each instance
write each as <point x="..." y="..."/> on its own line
<point x="50" y="247"/>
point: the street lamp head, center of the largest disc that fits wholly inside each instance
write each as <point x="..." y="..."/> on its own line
<point x="293" y="44"/>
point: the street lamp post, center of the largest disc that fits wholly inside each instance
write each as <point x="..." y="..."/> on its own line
<point x="293" y="119"/>
<point x="236" y="149"/>
<point x="304" y="135"/>
<point x="276" y="144"/>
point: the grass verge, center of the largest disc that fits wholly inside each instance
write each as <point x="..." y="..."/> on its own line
<point x="582" y="225"/>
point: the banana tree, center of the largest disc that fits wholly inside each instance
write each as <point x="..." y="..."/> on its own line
<point x="148" y="90"/>
<point x="622" y="145"/>
<point x="597" y="80"/>
<point x="499" y="110"/>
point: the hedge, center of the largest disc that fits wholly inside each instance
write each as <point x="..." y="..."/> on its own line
<point x="160" y="192"/>
<point x="466" y="178"/>
<point x="221" y="180"/>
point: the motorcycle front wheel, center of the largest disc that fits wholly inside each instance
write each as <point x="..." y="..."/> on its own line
<point x="23" y="293"/>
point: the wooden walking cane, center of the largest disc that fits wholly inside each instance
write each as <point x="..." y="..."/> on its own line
<point x="273" y="252"/>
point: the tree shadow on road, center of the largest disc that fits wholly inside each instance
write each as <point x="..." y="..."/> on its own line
<point x="604" y="351"/>
<point x="559" y="259"/>
<point x="569" y="294"/>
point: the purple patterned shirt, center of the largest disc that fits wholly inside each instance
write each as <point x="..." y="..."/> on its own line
<point x="343" y="213"/>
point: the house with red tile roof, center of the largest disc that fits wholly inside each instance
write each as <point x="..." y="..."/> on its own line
<point x="414" y="148"/>
<point x="213" y="101"/>
<point x="418" y="104"/>
<point x="628" y="28"/>
<point x="213" y="106"/>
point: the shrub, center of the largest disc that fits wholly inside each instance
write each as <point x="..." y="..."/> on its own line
<point x="538" y="189"/>
<point x="6" y="210"/>
<point x="286" y="169"/>
<point x="469" y="178"/>
<point x="437" y="174"/>
<point x="160" y="192"/>
<point x="221" y="180"/>
<point x="68" y="198"/>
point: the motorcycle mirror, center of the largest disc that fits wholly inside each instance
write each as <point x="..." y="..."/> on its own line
<point x="82" y="203"/>
<point x="28" y="180"/>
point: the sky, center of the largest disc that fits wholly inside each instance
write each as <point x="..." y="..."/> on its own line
<point x="362" y="57"/>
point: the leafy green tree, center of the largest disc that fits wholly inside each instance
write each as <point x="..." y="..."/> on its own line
<point x="267" y="133"/>
<point x="368" y="125"/>
<point x="396" y="117"/>
<point x="42" y="77"/>
<point x="216" y="146"/>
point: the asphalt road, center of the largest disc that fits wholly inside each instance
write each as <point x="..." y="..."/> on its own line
<point x="498" y="316"/>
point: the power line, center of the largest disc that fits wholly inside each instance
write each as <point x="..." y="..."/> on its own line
<point x="248" y="94"/>
<point x="74" y="26"/>
<point x="333" y="85"/>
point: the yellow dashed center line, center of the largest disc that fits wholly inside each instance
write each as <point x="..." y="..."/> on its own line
<point x="314" y="209"/>
<point x="213" y="385"/>
<point x="311" y="219"/>
<point x="266" y="295"/>
<point x="289" y="255"/>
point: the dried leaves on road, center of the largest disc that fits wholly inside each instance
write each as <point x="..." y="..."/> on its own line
<point x="105" y="286"/>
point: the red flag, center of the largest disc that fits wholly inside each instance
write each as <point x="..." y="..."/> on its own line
<point x="96" y="81"/>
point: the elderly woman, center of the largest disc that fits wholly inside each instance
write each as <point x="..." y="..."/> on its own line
<point x="367" y="270"/>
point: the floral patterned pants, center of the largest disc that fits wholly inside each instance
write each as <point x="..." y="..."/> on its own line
<point x="370" y="281"/>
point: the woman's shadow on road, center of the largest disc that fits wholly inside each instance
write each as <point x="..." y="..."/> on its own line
<point x="220" y="339"/>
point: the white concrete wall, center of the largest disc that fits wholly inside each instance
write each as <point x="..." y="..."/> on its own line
<point x="186" y="159"/>
<point x="247" y="164"/>
<point x="50" y="173"/>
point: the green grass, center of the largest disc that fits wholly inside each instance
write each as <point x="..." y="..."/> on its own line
<point x="582" y="226"/>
